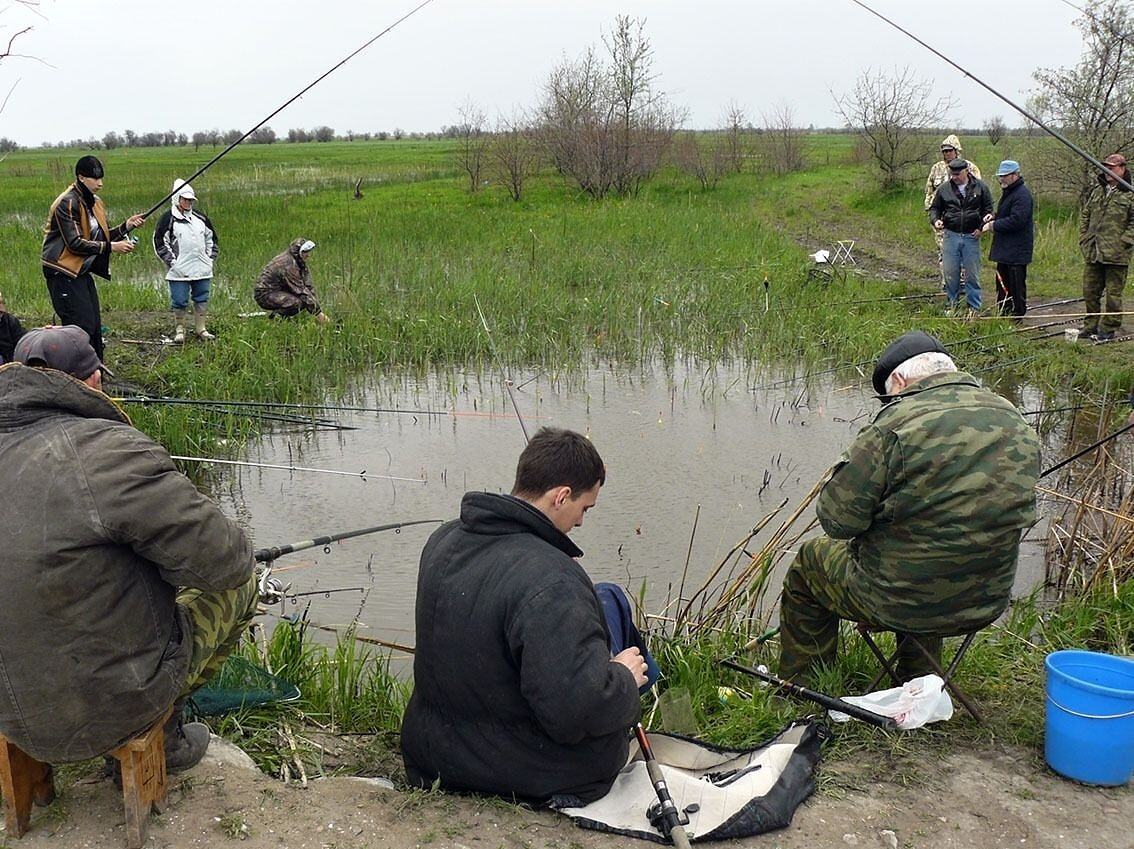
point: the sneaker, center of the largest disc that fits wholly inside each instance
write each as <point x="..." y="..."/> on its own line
<point x="1103" y="337"/>
<point x="1088" y="331"/>
<point x="179" y="336"/>
<point x="185" y="743"/>
<point x="205" y="336"/>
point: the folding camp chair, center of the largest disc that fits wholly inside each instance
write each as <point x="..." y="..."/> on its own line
<point x="844" y="253"/>
<point x="889" y="664"/>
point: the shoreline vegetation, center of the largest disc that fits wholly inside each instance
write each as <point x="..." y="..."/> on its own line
<point x="674" y="272"/>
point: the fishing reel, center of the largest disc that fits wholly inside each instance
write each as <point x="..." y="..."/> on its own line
<point x="662" y="817"/>
<point x="272" y="590"/>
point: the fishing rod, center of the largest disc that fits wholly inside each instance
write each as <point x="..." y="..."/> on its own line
<point x="829" y="702"/>
<point x="663" y="814"/>
<point x="500" y="364"/>
<point x="1010" y="332"/>
<point x="286" y="104"/>
<point x="1033" y="118"/>
<point x="275" y="405"/>
<point x="360" y="474"/>
<point x="1088" y="449"/>
<point x="273" y="591"/>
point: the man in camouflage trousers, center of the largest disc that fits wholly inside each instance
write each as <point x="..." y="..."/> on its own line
<point x="923" y="515"/>
<point x="1106" y="238"/>
<point x="124" y="587"/>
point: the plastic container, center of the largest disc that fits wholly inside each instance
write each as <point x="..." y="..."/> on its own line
<point x="1071" y="334"/>
<point x="1090" y="716"/>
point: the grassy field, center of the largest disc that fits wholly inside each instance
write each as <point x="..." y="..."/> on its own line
<point x="676" y="271"/>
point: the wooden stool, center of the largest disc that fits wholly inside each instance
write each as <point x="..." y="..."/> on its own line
<point x="946" y="674"/>
<point x="24" y="781"/>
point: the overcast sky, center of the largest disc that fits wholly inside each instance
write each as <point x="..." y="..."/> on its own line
<point x="199" y="64"/>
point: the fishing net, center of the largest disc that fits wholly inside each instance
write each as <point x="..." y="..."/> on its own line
<point x="240" y="684"/>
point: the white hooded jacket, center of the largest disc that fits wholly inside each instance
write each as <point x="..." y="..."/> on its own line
<point x="185" y="241"/>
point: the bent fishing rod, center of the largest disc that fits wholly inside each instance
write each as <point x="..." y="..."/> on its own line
<point x="161" y="203"/>
<point x="1102" y="169"/>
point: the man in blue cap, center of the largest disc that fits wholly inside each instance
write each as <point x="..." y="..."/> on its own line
<point x="1013" y="236"/>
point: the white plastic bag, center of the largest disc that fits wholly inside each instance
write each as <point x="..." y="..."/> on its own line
<point x="915" y="703"/>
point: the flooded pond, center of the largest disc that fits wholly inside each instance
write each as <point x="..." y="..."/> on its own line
<point x="674" y="440"/>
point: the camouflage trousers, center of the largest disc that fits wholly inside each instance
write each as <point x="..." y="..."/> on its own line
<point x="819" y="590"/>
<point x="218" y="619"/>
<point x="1100" y="279"/>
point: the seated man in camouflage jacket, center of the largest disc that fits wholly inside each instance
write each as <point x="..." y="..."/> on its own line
<point x="923" y="515"/>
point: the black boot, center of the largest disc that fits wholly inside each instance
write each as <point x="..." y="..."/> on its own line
<point x="185" y="742"/>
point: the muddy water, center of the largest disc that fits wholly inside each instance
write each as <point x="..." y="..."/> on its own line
<point x="674" y="440"/>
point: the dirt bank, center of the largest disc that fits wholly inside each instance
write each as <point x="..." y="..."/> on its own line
<point x="989" y="800"/>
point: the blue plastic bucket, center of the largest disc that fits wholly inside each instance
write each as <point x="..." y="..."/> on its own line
<point x="1090" y="716"/>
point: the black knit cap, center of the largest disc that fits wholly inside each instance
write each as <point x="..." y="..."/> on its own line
<point x="89" y="166"/>
<point x="901" y="349"/>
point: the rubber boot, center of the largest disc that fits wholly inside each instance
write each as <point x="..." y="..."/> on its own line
<point x="179" y="329"/>
<point x="185" y="742"/>
<point x="199" y="313"/>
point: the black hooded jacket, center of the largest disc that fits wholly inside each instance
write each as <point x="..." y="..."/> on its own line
<point x="514" y="691"/>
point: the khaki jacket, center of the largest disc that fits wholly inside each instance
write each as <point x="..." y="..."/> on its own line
<point x="1106" y="226"/>
<point x="99" y="532"/>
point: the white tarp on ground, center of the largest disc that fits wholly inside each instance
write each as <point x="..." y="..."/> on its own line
<point x="725" y="793"/>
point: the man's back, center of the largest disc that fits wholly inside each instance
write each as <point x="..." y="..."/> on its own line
<point x="99" y="531"/>
<point x="933" y="498"/>
<point x="514" y="691"/>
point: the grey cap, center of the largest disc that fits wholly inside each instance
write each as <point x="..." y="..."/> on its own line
<point x="958" y="164"/>
<point x="65" y="348"/>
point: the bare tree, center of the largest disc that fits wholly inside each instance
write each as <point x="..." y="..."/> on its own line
<point x="995" y="128"/>
<point x="513" y="154"/>
<point x="8" y="41"/>
<point x="781" y="143"/>
<point x="472" y="142"/>
<point x="1092" y="103"/>
<point x="737" y="136"/>
<point x="705" y="158"/>
<point x="605" y="124"/>
<point x="889" y="112"/>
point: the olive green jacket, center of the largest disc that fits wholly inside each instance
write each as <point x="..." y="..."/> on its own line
<point x="932" y="497"/>
<point x="1106" y="226"/>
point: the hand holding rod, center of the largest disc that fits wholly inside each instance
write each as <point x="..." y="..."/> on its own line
<point x="829" y="702"/>
<point x="672" y="826"/>
<point x="267" y="555"/>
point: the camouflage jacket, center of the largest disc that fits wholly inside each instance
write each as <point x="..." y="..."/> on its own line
<point x="288" y="273"/>
<point x="1106" y="226"/>
<point x="932" y="496"/>
<point x="938" y="174"/>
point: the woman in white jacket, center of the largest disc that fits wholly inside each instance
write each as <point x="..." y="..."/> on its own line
<point x="187" y="243"/>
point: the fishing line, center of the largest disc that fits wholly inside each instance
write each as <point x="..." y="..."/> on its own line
<point x="359" y="474"/>
<point x="286" y="104"/>
<point x="1033" y="118"/>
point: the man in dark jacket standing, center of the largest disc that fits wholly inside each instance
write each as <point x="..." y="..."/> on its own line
<point x="515" y="690"/>
<point x="77" y="242"/>
<point x="101" y="531"/>
<point x="960" y="209"/>
<point x="1106" y="238"/>
<point x="1013" y="236"/>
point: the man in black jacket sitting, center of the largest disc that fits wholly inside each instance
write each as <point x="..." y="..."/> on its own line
<point x="515" y="689"/>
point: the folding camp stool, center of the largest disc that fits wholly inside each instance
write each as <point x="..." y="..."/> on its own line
<point x="844" y="253"/>
<point x="889" y="664"/>
<point x="24" y="780"/>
